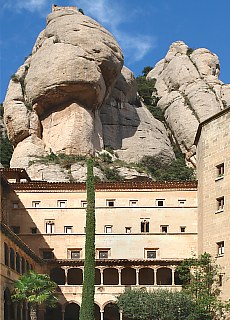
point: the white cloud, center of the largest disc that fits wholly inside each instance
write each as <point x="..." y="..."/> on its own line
<point x="30" y="5"/>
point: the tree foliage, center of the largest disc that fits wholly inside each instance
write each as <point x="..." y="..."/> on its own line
<point x="177" y="170"/>
<point x="87" y="305"/>
<point x="158" y="304"/>
<point x="35" y="289"/>
<point x="200" y="281"/>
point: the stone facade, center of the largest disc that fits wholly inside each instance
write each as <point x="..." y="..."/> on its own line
<point x="143" y="230"/>
<point x="213" y="172"/>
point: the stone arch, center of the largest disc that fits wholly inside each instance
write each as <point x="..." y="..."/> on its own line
<point x="54" y="313"/>
<point x="97" y="276"/>
<point x="97" y="311"/>
<point x="128" y="276"/>
<point x="8" y="305"/>
<point x="75" y="276"/>
<point x="146" y="276"/>
<point x="110" y="276"/>
<point x="58" y="275"/>
<point x="111" y="311"/>
<point x="164" y="276"/>
<point x="6" y="254"/>
<point x="12" y="258"/>
<point x="72" y="310"/>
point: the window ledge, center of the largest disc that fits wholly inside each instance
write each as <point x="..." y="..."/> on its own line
<point x="219" y="178"/>
<point x="219" y="211"/>
<point x="220" y="255"/>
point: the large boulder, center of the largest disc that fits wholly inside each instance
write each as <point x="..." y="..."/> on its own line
<point x="189" y="91"/>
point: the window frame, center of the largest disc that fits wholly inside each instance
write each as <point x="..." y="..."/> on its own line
<point x="182" y="227"/>
<point x="160" y="200"/>
<point x="182" y="202"/>
<point x="107" y="227"/>
<point x="83" y="203"/>
<point x="108" y="201"/>
<point x="77" y="252"/>
<point x="220" y="204"/>
<point x="36" y="204"/>
<point x="220" y="248"/>
<point x="128" y="228"/>
<point x="50" y="222"/>
<point x="163" y="230"/>
<point x="133" y="203"/>
<point x="68" y="227"/>
<point x="220" y="171"/>
<point x="59" y="203"/>
<point x="147" y="252"/>
<point x="103" y="251"/>
<point x="145" y="225"/>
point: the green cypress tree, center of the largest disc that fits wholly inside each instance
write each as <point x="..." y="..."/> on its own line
<point x="87" y="305"/>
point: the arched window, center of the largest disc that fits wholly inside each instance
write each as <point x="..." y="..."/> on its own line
<point x="128" y="276"/>
<point x="12" y="259"/>
<point x="58" y="275"/>
<point x="23" y="265"/>
<point x="6" y="254"/>
<point x="164" y="276"/>
<point x="18" y="263"/>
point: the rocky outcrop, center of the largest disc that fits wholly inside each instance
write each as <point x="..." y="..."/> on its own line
<point x="189" y="91"/>
<point x="71" y="96"/>
<point x="128" y="126"/>
<point x="57" y="94"/>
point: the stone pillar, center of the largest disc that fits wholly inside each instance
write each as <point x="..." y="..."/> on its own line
<point x="26" y="311"/>
<point x="66" y="275"/>
<point x="173" y="276"/>
<point x="21" y="311"/>
<point x="121" y="314"/>
<point x="137" y="277"/>
<point x="102" y="314"/>
<point x="101" y="273"/>
<point x="15" y="311"/>
<point x="155" y="276"/>
<point x="41" y="313"/>
<point x="119" y="277"/>
<point x="62" y="314"/>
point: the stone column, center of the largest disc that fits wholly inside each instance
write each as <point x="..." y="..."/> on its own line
<point x="155" y="276"/>
<point x="101" y="273"/>
<point x="102" y="314"/>
<point x="137" y="277"/>
<point x="66" y="274"/>
<point x="41" y="313"/>
<point x="62" y="314"/>
<point x="121" y="315"/>
<point x="15" y="311"/>
<point x="119" y="277"/>
<point x="173" y="276"/>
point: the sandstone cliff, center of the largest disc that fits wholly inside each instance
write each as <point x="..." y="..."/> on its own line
<point x="71" y="97"/>
<point x="189" y="91"/>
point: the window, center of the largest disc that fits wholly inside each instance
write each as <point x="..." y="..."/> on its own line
<point x="104" y="254"/>
<point x="47" y="254"/>
<point x="133" y="203"/>
<point x="220" y="170"/>
<point x="220" y="280"/>
<point x="15" y="205"/>
<point x="36" y="204"/>
<point x="68" y="229"/>
<point x="151" y="254"/>
<point x="83" y="204"/>
<point x="61" y="203"/>
<point x="49" y="226"/>
<point x="128" y="229"/>
<point x="182" y="229"/>
<point x="110" y="203"/>
<point x="164" y="229"/>
<point x="108" y="229"/>
<point x="15" y="229"/>
<point x="75" y="254"/>
<point x="182" y="203"/>
<point x="220" y="248"/>
<point x="160" y="202"/>
<point x="34" y="230"/>
<point x="220" y="204"/>
<point x="144" y="226"/>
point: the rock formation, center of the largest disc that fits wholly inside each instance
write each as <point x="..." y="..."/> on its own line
<point x="189" y="91"/>
<point x="71" y="97"/>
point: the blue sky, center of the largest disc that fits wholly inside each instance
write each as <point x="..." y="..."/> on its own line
<point x="144" y="29"/>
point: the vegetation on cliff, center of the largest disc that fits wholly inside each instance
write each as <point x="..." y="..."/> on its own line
<point x="6" y="148"/>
